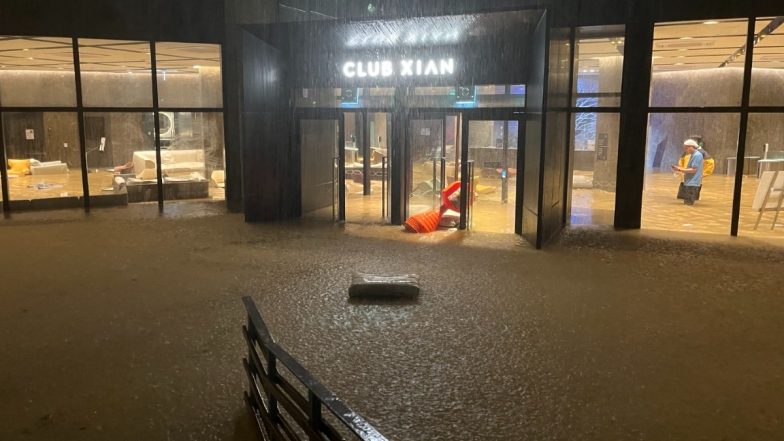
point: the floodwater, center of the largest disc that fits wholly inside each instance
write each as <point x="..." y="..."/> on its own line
<point x="124" y="325"/>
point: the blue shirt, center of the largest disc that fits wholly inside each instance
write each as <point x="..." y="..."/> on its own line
<point x="696" y="162"/>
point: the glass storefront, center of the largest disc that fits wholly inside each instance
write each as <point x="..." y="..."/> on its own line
<point x="664" y="205"/>
<point x="594" y="167"/>
<point x="692" y="62"/>
<point x="43" y="155"/>
<point x="115" y="73"/>
<point x="598" y="73"/>
<point x="43" y="147"/>
<point x="762" y="198"/>
<point x="492" y="146"/>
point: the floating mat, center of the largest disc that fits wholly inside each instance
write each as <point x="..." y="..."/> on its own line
<point x="373" y="286"/>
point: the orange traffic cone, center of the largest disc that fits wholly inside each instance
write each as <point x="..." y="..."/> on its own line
<point x="426" y="222"/>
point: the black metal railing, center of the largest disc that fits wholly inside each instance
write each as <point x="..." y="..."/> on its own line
<point x="282" y="412"/>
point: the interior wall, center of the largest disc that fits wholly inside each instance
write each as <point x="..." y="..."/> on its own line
<point x="61" y="128"/>
<point x="37" y="88"/>
<point x="606" y="168"/>
<point x="667" y="132"/>
<point x="185" y="90"/>
<point x="25" y="88"/>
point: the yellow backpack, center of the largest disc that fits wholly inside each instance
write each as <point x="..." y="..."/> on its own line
<point x="708" y="165"/>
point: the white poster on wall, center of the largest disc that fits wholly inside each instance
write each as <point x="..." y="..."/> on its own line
<point x="102" y="147"/>
<point x="29" y="134"/>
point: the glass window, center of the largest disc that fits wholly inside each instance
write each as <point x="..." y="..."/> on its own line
<point x="115" y="73"/>
<point x="711" y="193"/>
<point x="189" y="75"/>
<point x="594" y="168"/>
<point x="192" y="155"/>
<point x="43" y="154"/>
<point x="762" y="198"/>
<point x="599" y="66"/>
<point x="698" y="64"/>
<point x="37" y="71"/>
<point x="767" y="78"/>
<point x="121" y="158"/>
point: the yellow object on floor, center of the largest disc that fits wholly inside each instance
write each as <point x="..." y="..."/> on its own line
<point x="19" y="166"/>
<point x="485" y="189"/>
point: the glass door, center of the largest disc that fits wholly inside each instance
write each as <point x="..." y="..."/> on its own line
<point x="366" y="147"/>
<point x="429" y="167"/>
<point x="379" y="130"/>
<point x="322" y="164"/>
<point x="490" y="174"/>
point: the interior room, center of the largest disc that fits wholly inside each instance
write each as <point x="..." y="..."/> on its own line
<point x="696" y="91"/>
<point x="43" y="147"/>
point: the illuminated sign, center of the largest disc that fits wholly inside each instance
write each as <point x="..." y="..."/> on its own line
<point x="403" y="68"/>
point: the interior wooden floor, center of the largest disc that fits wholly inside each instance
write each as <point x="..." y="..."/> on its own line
<point x="711" y="214"/>
<point x="70" y="184"/>
<point x="661" y="209"/>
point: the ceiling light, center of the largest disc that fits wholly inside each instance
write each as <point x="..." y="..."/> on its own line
<point x="25" y="49"/>
<point x="679" y="64"/>
<point x="31" y="58"/>
<point x="686" y="38"/>
<point x="196" y="66"/>
<point x="710" y="22"/>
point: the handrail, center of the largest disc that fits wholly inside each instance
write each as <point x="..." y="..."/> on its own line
<point x="305" y="411"/>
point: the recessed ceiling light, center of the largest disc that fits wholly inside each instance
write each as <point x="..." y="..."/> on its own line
<point x="196" y="66"/>
<point x="710" y="22"/>
<point x="686" y="38"/>
<point x="679" y="64"/>
<point x="25" y="49"/>
<point x="31" y="58"/>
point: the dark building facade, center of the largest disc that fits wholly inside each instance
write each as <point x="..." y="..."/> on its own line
<point x="539" y="113"/>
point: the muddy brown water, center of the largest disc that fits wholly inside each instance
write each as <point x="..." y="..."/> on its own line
<point x="124" y="325"/>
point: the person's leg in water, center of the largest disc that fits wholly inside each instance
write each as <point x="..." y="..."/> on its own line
<point x="690" y="195"/>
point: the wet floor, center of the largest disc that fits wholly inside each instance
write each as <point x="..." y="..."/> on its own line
<point x="125" y="325"/>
